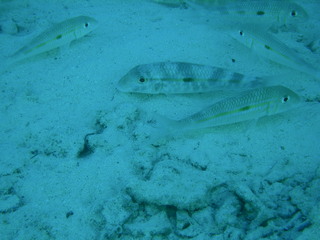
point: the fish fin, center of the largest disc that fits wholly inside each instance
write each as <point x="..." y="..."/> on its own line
<point x="238" y="127"/>
<point x="165" y="129"/>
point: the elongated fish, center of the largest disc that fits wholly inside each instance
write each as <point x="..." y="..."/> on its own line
<point x="60" y="34"/>
<point x="267" y="11"/>
<point x="182" y="77"/>
<point x="268" y="46"/>
<point x="248" y="105"/>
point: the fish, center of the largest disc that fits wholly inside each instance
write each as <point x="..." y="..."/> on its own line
<point x="269" y="47"/>
<point x="250" y="105"/>
<point x="60" y="34"/>
<point x="184" y="77"/>
<point x="266" y="11"/>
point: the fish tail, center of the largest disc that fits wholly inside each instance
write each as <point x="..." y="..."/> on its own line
<point x="163" y="129"/>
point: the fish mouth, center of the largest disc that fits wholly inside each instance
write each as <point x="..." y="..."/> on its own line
<point x="121" y="86"/>
<point x="125" y="84"/>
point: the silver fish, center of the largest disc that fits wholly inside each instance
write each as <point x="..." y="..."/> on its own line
<point x="182" y="77"/>
<point x="249" y="105"/>
<point x="60" y="34"/>
<point x="268" y="46"/>
<point x="267" y="11"/>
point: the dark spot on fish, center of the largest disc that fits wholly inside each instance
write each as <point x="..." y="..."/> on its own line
<point x="188" y="79"/>
<point x="233" y="60"/>
<point x="86" y="25"/>
<point x="294" y="13"/>
<point x="59" y="36"/>
<point x="241" y="33"/>
<point x="267" y="47"/>
<point x="142" y="79"/>
<point x="246" y="108"/>
<point x="260" y="13"/>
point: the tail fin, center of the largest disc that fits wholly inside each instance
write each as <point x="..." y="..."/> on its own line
<point x="162" y="129"/>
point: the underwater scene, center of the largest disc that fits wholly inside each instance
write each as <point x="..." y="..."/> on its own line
<point x="160" y="119"/>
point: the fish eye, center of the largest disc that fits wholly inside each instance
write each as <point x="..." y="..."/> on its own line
<point x="86" y="25"/>
<point x="241" y="33"/>
<point x="285" y="99"/>
<point x="142" y="79"/>
<point x="293" y="13"/>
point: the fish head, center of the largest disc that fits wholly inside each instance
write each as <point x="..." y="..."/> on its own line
<point x="283" y="100"/>
<point x="84" y="25"/>
<point x="126" y="83"/>
<point x="140" y="80"/>
<point x="243" y="36"/>
<point x="133" y="81"/>
<point x="293" y="14"/>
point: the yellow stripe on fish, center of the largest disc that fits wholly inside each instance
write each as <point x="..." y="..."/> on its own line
<point x="247" y="106"/>
<point x="182" y="77"/>
<point x="267" y="11"/>
<point x="60" y="34"/>
<point x="269" y="47"/>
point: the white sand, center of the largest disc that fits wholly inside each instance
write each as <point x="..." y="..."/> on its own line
<point x="263" y="182"/>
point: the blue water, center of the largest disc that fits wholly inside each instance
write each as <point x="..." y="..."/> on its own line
<point x="78" y="160"/>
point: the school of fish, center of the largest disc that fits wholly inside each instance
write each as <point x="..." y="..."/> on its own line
<point x="251" y="23"/>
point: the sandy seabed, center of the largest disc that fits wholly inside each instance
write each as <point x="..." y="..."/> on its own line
<point x="76" y="161"/>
